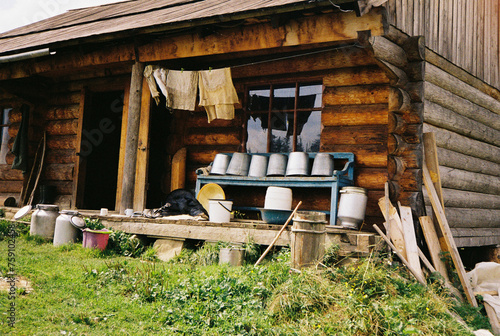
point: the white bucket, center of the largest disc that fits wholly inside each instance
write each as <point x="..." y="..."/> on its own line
<point x="278" y="198"/>
<point x="352" y="207"/>
<point x="219" y="210"/>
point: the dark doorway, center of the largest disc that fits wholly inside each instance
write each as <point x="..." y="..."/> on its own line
<point x="159" y="158"/>
<point x="100" y="149"/>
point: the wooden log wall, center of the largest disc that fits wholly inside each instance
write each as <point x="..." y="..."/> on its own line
<point x="466" y="32"/>
<point x="354" y="118"/>
<point x="402" y="59"/>
<point x="464" y="115"/>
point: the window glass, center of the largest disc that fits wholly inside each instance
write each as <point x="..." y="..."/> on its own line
<point x="4" y="134"/>
<point x="289" y="115"/>
<point x="257" y="133"/>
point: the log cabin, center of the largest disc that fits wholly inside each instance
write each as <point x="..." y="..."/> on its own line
<point x="381" y="74"/>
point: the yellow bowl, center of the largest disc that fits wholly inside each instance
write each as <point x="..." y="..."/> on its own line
<point x="210" y="191"/>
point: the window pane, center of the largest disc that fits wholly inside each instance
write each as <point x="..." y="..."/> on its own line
<point x="258" y="99"/>
<point x="257" y="133"/>
<point x="284" y="98"/>
<point x="310" y="96"/>
<point x="4" y="136"/>
<point x="308" y="135"/>
<point x="281" y="132"/>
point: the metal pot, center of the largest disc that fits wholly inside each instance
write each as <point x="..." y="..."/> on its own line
<point x="239" y="164"/>
<point x="277" y="164"/>
<point x="258" y="166"/>
<point x="298" y="164"/>
<point x="322" y="165"/>
<point x="220" y="164"/>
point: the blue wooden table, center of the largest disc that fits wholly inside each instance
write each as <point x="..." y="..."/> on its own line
<point x="339" y="179"/>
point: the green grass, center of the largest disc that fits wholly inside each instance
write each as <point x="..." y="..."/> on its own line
<point x="79" y="291"/>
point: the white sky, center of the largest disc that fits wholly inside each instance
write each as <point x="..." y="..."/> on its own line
<point x="17" y="13"/>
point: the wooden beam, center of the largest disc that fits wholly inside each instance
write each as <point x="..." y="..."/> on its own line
<point x="123" y="141"/>
<point x="80" y="164"/>
<point x="133" y="124"/>
<point x="463" y="180"/>
<point x="432" y="241"/>
<point x="141" y="173"/>
<point x="410" y="238"/>
<point x="467" y="199"/>
<point x="448" y="237"/>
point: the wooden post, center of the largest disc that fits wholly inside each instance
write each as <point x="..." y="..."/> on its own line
<point x="134" y="114"/>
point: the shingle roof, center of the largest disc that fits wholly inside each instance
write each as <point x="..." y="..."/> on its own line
<point x="136" y="16"/>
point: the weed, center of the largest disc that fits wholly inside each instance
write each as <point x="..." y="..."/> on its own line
<point x="125" y="244"/>
<point x="149" y="254"/>
<point x="93" y="224"/>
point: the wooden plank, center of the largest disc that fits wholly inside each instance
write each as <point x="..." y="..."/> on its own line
<point x="410" y="238"/>
<point x="394" y="224"/>
<point x="178" y="175"/>
<point x="132" y="139"/>
<point x="79" y="167"/>
<point x="432" y="241"/>
<point x="448" y="237"/>
<point x="141" y="170"/>
<point x="123" y="139"/>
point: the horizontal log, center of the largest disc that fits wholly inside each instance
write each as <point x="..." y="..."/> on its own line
<point x="442" y="117"/>
<point x="335" y="59"/>
<point x="312" y="30"/>
<point x="414" y="48"/>
<point x="411" y="180"/>
<point x="62" y="187"/>
<point x="216" y="136"/>
<point x="356" y="76"/>
<point x="399" y="100"/>
<point x="416" y="91"/>
<point x="457" y="160"/>
<point x="354" y="135"/>
<point x="459" y="143"/>
<point x="395" y="167"/>
<point x="374" y="156"/>
<point x="461" y="106"/>
<point x="361" y="94"/>
<point x="70" y="98"/>
<point x="11" y="186"/>
<point x="471" y="218"/>
<point x="466" y="199"/>
<point x="449" y="67"/>
<point x="476" y="241"/>
<point x="395" y="35"/>
<point x="9" y="174"/>
<point x="58" y="172"/>
<point x="370" y="178"/>
<point x="61" y="156"/>
<point x="107" y="83"/>
<point x="451" y="83"/>
<point x="464" y="180"/>
<point x="415" y="71"/>
<point x="352" y="115"/>
<point x="62" y="127"/>
<point x="200" y="119"/>
<point x="63" y="112"/>
<point x="388" y="51"/>
<point x="61" y="142"/>
<point x="476" y="232"/>
<point x="397" y="76"/>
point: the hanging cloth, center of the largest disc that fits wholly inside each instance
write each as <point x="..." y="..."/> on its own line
<point x="20" y="146"/>
<point x="148" y="74"/>
<point x="160" y="75"/>
<point x="217" y="93"/>
<point x="181" y="87"/>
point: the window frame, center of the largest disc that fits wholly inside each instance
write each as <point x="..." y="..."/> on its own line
<point x="3" y="110"/>
<point x="273" y="84"/>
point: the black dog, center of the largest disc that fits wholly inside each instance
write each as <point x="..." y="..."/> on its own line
<point x="180" y="202"/>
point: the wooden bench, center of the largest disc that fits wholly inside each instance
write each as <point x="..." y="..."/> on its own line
<point x="339" y="179"/>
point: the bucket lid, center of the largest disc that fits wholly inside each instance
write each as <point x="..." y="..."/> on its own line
<point x="357" y="190"/>
<point x="210" y="191"/>
<point x="69" y="212"/>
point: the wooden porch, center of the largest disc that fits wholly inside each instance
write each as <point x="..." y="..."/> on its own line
<point x="352" y="243"/>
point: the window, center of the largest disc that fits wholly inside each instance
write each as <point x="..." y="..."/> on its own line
<point x="4" y="134"/>
<point x="284" y="118"/>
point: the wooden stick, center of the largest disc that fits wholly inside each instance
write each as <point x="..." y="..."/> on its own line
<point x="410" y="238"/>
<point x="278" y="235"/>
<point x="448" y="236"/>
<point x="44" y="145"/>
<point x="432" y="240"/>
<point x="417" y="276"/>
